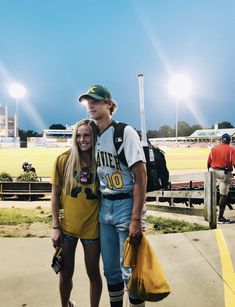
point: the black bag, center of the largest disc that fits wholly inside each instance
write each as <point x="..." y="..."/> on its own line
<point x="157" y="172"/>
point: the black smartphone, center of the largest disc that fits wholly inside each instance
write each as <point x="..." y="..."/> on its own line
<point x="57" y="260"/>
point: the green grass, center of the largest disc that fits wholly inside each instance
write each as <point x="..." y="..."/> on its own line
<point x="43" y="159"/>
<point x="15" y="216"/>
<point x="187" y="158"/>
<point x="163" y="225"/>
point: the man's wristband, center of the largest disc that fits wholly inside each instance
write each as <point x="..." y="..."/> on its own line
<point x="56" y="227"/>
<point x="134" y="219"/>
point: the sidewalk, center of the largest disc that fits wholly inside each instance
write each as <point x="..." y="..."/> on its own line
<point x="191" y="262"/>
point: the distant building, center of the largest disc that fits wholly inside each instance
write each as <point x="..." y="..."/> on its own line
<point x="212" y="135"/>
<point x="199" y="136"/>
<point x="7" y="123"/>
<point x="8" y="129"/>
<point x="52" y="138"/>
<point x="58" y="133"/>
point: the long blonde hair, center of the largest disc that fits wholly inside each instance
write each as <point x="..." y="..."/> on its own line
<point x="73" y="162"/>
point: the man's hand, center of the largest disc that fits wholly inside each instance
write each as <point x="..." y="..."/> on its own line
<point x="135" y="231"/>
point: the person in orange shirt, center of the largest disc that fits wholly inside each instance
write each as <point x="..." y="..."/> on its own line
<point x="221" y="161"/>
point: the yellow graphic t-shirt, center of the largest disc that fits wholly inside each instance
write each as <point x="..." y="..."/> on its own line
<point x="81" y="207"/>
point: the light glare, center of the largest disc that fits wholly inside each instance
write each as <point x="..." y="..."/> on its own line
<point x="180" y="86"/>
<point x="17" y="90"/>
<point x="84" y="102"/>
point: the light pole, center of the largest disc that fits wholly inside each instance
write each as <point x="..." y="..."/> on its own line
<point x="180" y="87"/>
<point x="17" y="91"/>
<point x="142" y="112"/>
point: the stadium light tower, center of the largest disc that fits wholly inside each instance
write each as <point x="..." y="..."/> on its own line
<point x="180" y="87"/>
<point x="142" y="112"/>
<point x="17" y="91"/>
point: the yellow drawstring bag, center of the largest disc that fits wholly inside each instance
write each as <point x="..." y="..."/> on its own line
<point x="148" y="281"/>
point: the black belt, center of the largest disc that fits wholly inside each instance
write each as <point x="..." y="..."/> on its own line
<point x="222" y="168"/>
<point x="117" y="196"/>
<point x="219" y="168"/>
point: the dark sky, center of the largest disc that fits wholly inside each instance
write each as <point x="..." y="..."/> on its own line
<point x="57" y="49"/>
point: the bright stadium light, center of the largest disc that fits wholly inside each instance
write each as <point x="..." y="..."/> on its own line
<point x="180" y="87"/>
<point x="17" y="91"/>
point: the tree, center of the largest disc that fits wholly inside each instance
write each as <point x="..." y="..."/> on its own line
<point x="152" y="134"/>
<point x="195" y="127"/>
<point x="29" y="133"/>
<point x="225" y="125"/>
<point x="57" y="127"/>
<point x="165" y="131"/>
<point x="183" y="129"/>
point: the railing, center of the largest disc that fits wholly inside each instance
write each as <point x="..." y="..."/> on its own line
<point x="207" y="193"/>
<point x="24" y="189"/>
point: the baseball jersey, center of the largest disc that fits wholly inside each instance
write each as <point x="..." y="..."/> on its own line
<point x="113" y="175"/>
<point x="81" y="207"/>
<point x="222" y="155"/>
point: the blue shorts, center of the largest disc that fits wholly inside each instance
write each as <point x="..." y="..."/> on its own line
<point x="70" y="238"/>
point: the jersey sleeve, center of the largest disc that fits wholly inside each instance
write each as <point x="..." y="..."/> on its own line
<point x="132" y="146"/>
<point x="54" y="174"/>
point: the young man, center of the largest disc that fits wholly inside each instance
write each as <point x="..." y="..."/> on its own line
<point x="221" y="161"/>
<point x="123" y="192"/>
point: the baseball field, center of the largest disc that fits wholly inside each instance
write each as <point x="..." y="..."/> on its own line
<point x="43" y="159"/>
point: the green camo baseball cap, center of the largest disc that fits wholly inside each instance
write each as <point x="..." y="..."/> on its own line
<point x="98" y="92"/>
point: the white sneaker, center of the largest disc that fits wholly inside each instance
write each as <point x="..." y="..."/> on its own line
<point x="223" y="221"/>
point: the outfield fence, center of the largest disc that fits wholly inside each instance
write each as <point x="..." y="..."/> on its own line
<point x="200" y="188"/>
<point x="24" y="190"/>
<point x="188" y="187"/>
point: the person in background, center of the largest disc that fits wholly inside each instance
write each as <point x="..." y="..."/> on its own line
<point x="221" y="161"/>
<point x="27" y="167"/>
<point x="30" y="168"/>
<point x="123" y="192"/>
<point x="75" y="193"/>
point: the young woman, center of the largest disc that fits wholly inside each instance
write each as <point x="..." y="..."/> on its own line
<point x="75" y="194"/>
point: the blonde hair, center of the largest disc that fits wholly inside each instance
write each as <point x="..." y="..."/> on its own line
<point x="113" y="107"/>
<point x="74" y="162"/>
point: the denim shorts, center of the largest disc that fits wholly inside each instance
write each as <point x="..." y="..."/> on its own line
<point x="70" y="238"/>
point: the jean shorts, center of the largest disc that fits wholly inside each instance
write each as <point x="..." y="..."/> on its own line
<point x="70" y="238"/>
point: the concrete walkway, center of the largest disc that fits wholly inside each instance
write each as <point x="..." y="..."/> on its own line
<point x="192" y="263"/>
<point x="199" y="266"/>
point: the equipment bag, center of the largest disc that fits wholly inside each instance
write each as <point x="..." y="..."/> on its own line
<point x="148" y="281"/>
<point x="157" y="172"/>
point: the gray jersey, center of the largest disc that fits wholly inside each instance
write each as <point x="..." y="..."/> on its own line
<point x="113" y="175"/>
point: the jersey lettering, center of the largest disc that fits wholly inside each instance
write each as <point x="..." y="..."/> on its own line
<point x="75" y="191"/>
<point x="80" y="188"/>
<point x="106" y="159"/>
<point x="114" y="181"/>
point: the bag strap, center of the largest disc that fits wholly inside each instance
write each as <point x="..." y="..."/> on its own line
<point x="118" y="140"/>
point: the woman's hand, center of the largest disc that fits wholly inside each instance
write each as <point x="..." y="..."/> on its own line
<point x="56" y="237"/>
